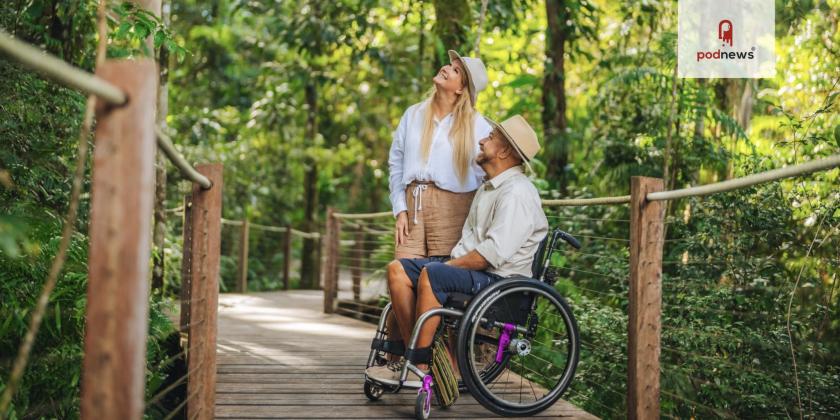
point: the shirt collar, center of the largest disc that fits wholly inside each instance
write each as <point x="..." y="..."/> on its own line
<point x="444" y="119"/>
<point x="500" y="179"/>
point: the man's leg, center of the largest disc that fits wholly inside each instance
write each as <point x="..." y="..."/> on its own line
<point x="426" y="300"/>
<point x="402" y="299"/>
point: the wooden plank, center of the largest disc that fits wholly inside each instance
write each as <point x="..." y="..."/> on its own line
<point x="242" y="273"/>
<point x="365" y="410"/>
<point x="120" y="239"/>
<point x="287" y="256"/>
<point x="645" y="299"/>
<point x="293" y="363"/>
<point x="206" y="229"/>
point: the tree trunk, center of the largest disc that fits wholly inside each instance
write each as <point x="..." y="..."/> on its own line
<point x="159" y="230"/>
<point x="554" y="95"/>
<point x="453" y="18"/>
<point x="308" y="278"/>
<point x="422" y="47"/>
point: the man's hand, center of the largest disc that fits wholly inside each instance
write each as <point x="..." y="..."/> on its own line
<point x="401" y="228"/>
<point x="472" y="261"/>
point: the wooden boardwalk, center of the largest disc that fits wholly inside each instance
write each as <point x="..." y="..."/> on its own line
<point x="280" y="356"/>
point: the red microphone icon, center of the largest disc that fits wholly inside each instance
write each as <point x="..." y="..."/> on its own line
<point x="725" y="31"/>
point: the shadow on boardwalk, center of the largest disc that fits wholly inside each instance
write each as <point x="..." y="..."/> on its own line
<point x="280" y="356"/>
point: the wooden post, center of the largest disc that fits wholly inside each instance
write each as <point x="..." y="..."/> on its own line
<point x="645" y="300"/>
<point x="358" y="263"/>
<point x="336" y="246"/>
<point x="319" y="256"/>
<point x="332" y="256"/>
<point x="186" y="265"/>
<point x="122" y="198"/>
<point x="206" y="229"/>
<point x="242" y="278"/>
<point x="287" y="256"/>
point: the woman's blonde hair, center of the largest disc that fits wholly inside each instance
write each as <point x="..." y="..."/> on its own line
<point x="461" y="134"/>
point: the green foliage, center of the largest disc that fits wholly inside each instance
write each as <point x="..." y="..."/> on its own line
<point x="274" y="91"/>
<point x="39" y="131"/>
<point x="130" y="26"/>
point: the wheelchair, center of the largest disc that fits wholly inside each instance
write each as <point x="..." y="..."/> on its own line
<point x="517" y="343"/>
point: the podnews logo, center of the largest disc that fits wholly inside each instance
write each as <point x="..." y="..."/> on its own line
<point x="726" y="38"/>
<point x="726" y="34"/>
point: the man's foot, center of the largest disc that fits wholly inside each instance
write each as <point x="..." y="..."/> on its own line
<point x="389" y="374"/>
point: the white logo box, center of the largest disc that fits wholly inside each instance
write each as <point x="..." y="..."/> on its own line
<point x="708" y="27"/>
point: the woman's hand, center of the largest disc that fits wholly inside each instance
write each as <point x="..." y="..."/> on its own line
<point x="401" y="228"/>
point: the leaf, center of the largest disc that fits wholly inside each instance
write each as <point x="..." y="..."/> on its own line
<point x="122" y="30"/>
<point x="159" y="37"/>
<point x="58" y="317"/>
<point x="837" y="135"/>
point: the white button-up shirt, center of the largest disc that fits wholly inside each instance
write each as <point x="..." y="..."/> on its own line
<point x="406" y="159"/>
<point x="506" y="224"/>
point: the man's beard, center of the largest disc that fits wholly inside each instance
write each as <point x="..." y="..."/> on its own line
<point x="481" y="159"/>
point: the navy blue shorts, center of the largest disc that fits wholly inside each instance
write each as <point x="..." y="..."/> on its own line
<point x="446" y="279"/>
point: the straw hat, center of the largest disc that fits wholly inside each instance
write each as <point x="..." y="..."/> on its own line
<point x="476" y="74"/>
<point x="520" y="134"/>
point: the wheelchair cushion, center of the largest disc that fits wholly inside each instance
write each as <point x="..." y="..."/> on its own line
<point x="458" y="300"/>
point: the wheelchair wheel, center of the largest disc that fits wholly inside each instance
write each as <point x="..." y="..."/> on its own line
<point x="536" y="343"/>
<point x="373" y="392"/>
<point x="422" y="405"/>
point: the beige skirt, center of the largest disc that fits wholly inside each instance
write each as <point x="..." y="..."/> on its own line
<point x="435" y="220"/>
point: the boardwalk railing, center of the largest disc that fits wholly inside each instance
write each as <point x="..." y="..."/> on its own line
<point x="122" y="194"/>
<point x="353" y="239"/>
<point x="120" y="237"/>
<point x="244" y="242"/>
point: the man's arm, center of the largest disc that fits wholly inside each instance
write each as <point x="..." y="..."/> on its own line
<point x="472" y="261"/>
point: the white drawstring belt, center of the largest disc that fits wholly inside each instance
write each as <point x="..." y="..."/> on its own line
<point x="418" y="198"/>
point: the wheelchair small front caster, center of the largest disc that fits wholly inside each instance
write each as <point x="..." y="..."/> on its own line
<point x="423" y="405"/>
<point x="373" y="392"/>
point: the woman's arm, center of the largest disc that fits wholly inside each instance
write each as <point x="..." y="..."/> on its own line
<point x="395" y="180"/>
<point x="395" y="167"/>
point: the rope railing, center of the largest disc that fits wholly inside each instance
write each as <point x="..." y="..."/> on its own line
<point x="168" y="149"/>
<point x="259" y="261"/>
<point x="277" y="229"/>
<point x="102" y="381"/>
<point x="59" y="71"/>
<point x="575" y="202"/>
<point x="85" y="82"/>
<point x="830" y="162"/>
<point x="362" y="216"/>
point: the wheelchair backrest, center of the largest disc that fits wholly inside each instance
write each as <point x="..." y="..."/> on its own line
<point x="547" y="246"/>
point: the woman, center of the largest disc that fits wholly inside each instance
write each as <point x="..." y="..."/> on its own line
<point x="433" y="174"/>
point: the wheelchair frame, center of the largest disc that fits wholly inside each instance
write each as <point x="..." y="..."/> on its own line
<point x="539" y="269"/>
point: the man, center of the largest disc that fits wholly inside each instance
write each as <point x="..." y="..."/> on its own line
<point x="503" y="230"/>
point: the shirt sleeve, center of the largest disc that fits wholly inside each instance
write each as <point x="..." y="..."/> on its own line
<point x="395" y="167"/>
<point x="511" y="227"/>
